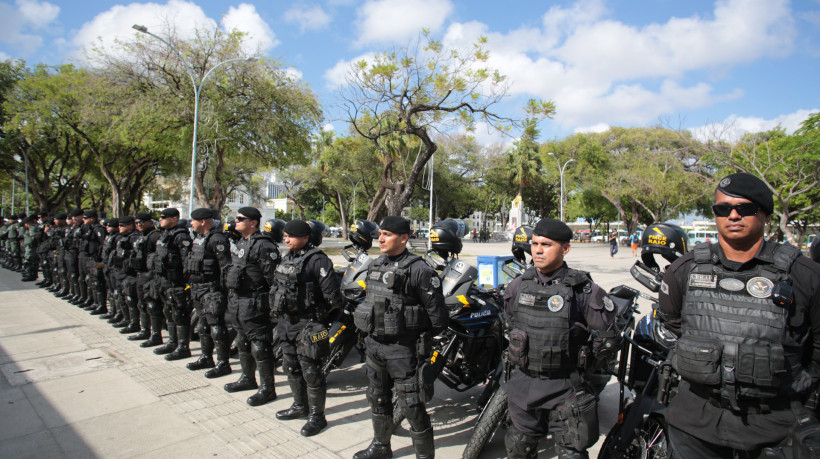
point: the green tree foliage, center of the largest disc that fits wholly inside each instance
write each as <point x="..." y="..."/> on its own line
<point x="401" y="98"/>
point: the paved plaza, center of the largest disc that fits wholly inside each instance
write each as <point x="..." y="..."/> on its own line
<point x="73" y="386"/>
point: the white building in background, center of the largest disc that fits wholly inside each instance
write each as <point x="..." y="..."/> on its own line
<point x="273" y="190"/>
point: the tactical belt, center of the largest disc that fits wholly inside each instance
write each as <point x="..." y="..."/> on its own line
<point x="404" y="341"/>
<point x="746" y="404"/>
<point x="555" y="374"/>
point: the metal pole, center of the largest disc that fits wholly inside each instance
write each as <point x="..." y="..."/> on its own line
<point x="12" y="196"/>
<point x="561" y="174"/>
<point x="430" y="227"/>
<point x="25" y="157"/>
<point x="197" y="90"/>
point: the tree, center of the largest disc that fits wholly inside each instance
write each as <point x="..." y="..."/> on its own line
<point x="253" y="114"/>
<point x="400" y="98"/>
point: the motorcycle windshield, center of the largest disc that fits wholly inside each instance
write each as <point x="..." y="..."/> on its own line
<point x="456" y="274"/>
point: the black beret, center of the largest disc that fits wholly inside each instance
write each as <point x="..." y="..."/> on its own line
<point x="747" y="186"/>
<point x="250" y="212"/>
<point x="170" y="212"/>
<point x="202" y="213"/>
<point x="42" y="213"/>
<point x="59" y="216"/>
<point x="143" y="216"/>
<point x="21" y="215"/>
<point x="29" y="219"/>
<point x="395" y="224"/>
<point x="112" y="222"/>
<point x="75" y="213"/>
<point x="551" y="228"/>
<point x="297" y="228"/>
<point x="90" y="213"/>
<point x="127" y="220"/>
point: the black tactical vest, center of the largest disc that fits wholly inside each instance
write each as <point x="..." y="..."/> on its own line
<point x="293" y="296"/>
<point x="396" y="314"/>
<point x="124" y="252"/>
<point x="544" y="313"/>
<point x="168" y="257"/>
<point x="142" y="252"/>
<point x="733" y="333"/>
<point x="202" y="265"/>
<point x="244" y="277"/>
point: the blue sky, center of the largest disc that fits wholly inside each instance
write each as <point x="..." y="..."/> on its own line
<point x="747" y="65"/>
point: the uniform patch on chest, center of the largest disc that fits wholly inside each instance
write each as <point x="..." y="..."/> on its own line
<point x="759" y="287"/>
<point x="555" y="303"/>
<point x="731" y="284"/>
<point x="527" y="299"/>
<point x="703" y="280"/>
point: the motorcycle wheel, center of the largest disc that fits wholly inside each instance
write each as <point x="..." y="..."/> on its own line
<point x="650" y="441"/>
<point x="487" y="423"/>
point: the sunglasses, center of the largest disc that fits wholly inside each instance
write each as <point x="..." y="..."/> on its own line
<point x="746" y="209"/>
<point x="241" y="219"/>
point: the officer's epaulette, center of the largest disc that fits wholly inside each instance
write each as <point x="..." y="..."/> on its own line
<point x="576" y="278"/>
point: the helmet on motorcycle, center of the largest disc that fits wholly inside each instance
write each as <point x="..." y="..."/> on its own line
<point x="275" y="229"/>
<point x="317" y="231"/>
<point x="521" y="242"/>
<point x="665" y="239"/>
<point x="362" y="233"/>
<point x="230" y="230"/>
<point x="444" y="236"/>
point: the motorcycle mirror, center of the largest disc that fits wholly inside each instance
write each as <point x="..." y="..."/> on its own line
<point x="513" y="268"/>
<point x="350" y="253"/>
<point x="435" y="260"/>
<point x="647" y="276"/>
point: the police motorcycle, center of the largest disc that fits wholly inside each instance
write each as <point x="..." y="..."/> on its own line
<point x="646" y="378"/>
<point x="468" y="352"/>
<point x="344" y="335"/>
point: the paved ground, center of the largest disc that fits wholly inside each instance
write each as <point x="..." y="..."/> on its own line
<point x="72" y="386"/>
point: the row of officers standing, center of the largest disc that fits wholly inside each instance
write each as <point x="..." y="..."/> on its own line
<point x="143" y="279"/>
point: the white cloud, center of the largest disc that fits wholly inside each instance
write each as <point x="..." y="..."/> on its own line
<point x="27" y="15"/>
<point x="734" y="127"/>
<point x="595" y="128"/>
<point x="294" y="74"/>
<point x="4" y="56"/>
<point x="336" y="76"/>
<point x="398" y="20"/>
<point x="37" y="14"/>
<point x="245" y="18"/>
<point x="313" y="18"/>
<point x="328" y="127"/>
<point x="599" y="70"/>
<point x="183" y="17"/>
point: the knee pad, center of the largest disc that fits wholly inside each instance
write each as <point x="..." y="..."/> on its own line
<point x="291" y="366"/>
<point x="154" y="308"/>
<point x="520" y="445"/>
<point x="243" y="343"/>
<point x="260" y="350"/>
<point x="407" y="391"/>
<point x="313" y="375"/>
<point x="380" y="401"/>
<point x="219" y="333"/>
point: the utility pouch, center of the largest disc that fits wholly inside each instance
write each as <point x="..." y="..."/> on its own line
<point x="698" y="359"/>
<point x="363" y="317"/>
<point x="394" y="321"/>
<point x="313" y="341"/>
<point x="415" y="317"/>
<point x="518" y="348"/>
<point x="580" y="415"/>
<point x="759" y="365"/>
<point x="234" y="277"/>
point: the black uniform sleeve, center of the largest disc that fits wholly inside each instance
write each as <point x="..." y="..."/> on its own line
<point x="183" y="241"/>
<point x="670" y="298"/>
<point x="425" y="283"/>
<point x="268" y="259"/>
<point x="598" y="312"/>
<point x="330" y="283"/>
<point x="220" y="246"/>
<point x="806" y="281"/>
<point x="510" y="293"/>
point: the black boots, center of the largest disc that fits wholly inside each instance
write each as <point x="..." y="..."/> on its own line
<point x="206" y="360"/>
<point x="316" y="419"/>
<point x="248" y="379"/>
<point x="182" y="351"/>
<point x="267" y="391"/>
<point x="171" y="345"/>
<point x="299" y="409"/>
<point x="520" y="445"/>
<point x="569" y="453"/>
<point x="423" y="443"/>
<point x="380" y="446"/>
<point x="223" y="351"/>
<point x="156" y="332"/>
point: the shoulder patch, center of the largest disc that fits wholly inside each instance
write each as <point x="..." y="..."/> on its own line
<point x="322" y="272"/>
<point x="435" y="282"/>
<point x="664" y="288"/>
<point x="220" y="247"/>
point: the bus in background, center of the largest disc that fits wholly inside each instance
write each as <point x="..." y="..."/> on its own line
<point x="698" y="236"/>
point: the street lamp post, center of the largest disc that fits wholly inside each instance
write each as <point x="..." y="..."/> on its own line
<point x="197" y="90"/>
<point x="354" y="193"/>
<point x="561" y="170"/>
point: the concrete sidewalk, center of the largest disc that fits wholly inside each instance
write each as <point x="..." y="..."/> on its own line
<point x="72" y="386"/>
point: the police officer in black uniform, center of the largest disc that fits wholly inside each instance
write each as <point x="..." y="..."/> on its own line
<point x="403" y="300"/>
<point x="172" y="250"/>
<point x="249" y="278"/>
<point x="125" y="277"/>
<point x="210" y="255"/>
<point x="552" y="310"/>
<point x="104" y="283"/>
<point x="306" y="290"/>
<point x="148" y="304"/>
<point x="61" y="284"/>
<point x="91" y="238"/>
<point x="747" y="313"/>
<point x="71" y="254"/>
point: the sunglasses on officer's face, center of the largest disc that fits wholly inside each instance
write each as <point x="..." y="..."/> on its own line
<point x="747" y="209"/>
<point x="241" y="219"/>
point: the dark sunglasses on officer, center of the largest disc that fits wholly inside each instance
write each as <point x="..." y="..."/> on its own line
<point x="746" y="209"/>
